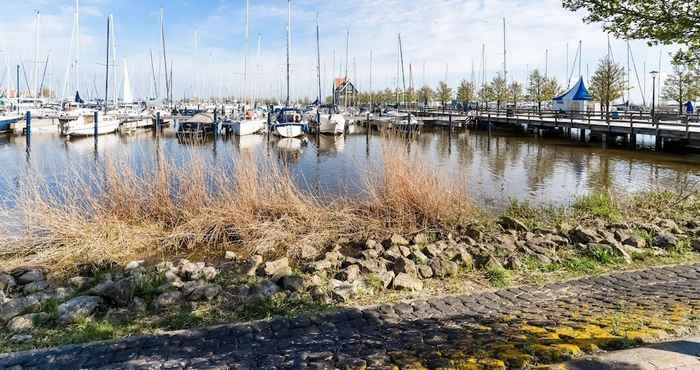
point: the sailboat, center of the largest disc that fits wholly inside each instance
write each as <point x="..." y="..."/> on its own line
<point x="252" y="121"/>
<point x="328" y="118"/>
<point x="290" y="122"/>
<point x="83" y="123"/>
<point x="131" y="115"/>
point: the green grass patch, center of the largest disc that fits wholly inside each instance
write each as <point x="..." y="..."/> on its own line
<point x="600" y="205"/>
<point x="499" y="277"/>
<point x="535" y="216"/>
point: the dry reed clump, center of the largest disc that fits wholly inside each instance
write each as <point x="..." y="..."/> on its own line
<point x="119" y="215"/>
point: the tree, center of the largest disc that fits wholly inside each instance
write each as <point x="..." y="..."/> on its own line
<point x="500" y="90"/>
<point x="425" y="94"/>
<point x="486" y="94"/>
<point x="465" y="92"/>
<point x="661" y="21"/>
<point x="551" y="89"/>
<point x="536" y="88"/>
<point x="444" y="93"/>
<point x="608" y="82"/>
<point x="681" y="86"/>
<point x="515" y="92"/>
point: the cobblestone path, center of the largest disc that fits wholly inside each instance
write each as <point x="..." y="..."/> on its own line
<point x="510" y="328"/>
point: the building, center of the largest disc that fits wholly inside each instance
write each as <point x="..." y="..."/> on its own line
<point x="345" y="93"/>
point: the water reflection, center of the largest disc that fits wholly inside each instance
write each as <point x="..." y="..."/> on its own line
<point x="497" y="166"/>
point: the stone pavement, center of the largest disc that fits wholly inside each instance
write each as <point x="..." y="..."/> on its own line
<point x="676" y="355"/>
<point x="510" y="328"/>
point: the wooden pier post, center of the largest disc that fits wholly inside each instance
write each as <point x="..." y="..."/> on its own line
<point x="94" y="129"/>
<point x="28" y="129"/>
<point x="215" y="124"/>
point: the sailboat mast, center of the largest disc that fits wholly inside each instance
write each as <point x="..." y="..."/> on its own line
<point x="77" y="45"/>
<point x="289" y="41"/>
<point x="318" y="59"/>
<point x="505" y="69"/>
<point x="155" y="81"/>
<point x="107" y="65"/>
<point x="35" y="72"/>
<point x="403" y="74"/>
<point x="165" y="59"/>
<point x="371" y="93"/>
<point x="245" y="57"/>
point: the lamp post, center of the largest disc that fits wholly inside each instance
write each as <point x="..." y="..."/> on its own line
<point x="653" y="93"/>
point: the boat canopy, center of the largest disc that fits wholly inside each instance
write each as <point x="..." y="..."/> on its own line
<point x="573" y="100"/>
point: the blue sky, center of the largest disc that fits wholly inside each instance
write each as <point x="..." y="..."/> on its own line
<point x="441" y="37"/>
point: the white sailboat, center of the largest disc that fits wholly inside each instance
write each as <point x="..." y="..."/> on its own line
<point x="332" y="121"/>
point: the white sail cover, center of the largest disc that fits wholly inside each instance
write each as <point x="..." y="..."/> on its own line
<point x="127" y="95"/>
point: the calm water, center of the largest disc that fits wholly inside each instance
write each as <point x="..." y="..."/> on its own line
<point x="497" y="167"/>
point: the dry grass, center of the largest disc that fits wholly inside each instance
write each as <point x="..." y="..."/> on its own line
<point x="120" y="215"/>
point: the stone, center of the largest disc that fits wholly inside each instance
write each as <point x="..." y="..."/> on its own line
<point x="405" y="265"/>
<point x="418" y="256"/>
<point x="421" y="239"/>
<point x="405" y="251"/>
<point x="373" y="266"/>
<point x="165" y="266"/>
<point x="30" y="275"/>
<point x="231" y="256"/>
<point x="511" y="223"/>
<point x="393" y="253"/>
<point x="341" y="290"/>
<point x="35" y="286"/>
<point x="490" y="262"/>
<point x="138" y="305"/>
<point x="25" y="323"/>
<point x="318" y="294"/>
<point x="507" y="243"/>
<point x="200" y="291"/>
<point x="168" y="299"/>
<point x="434" y="249"/>
<point x="208" y="273"/>
<point x="464" y="258"/>
<point x="514" y="263"/>
<point x="7" y="282"/>
<point x="277" y="269"/>
<point x="398" y="240"/>
<point x="264" y="289"/>
<point x="119" y="292"/>
<point x="665" y="240"/>
<point x="189" y="270"/>
<point x="20" y="305"/>
<point x="294" y="283"/>
<point x="670" y="226"/>
<point x="425" y="271"/>
<point x="172" y="277"/>
<point x="3" y="297"/>
<point x="80" y="282"/>
<point x="386" y="277"/>
<point x="442" y="267"/>
<point x="405" y="281"/>
<point x="133" y="265"/>
<point x="372" y="244"/>
<point x="78" y="307"/>
<point x="369" y="254"/>
<point x="635" y="241"/>
<point x="696" y="245"/>
<point x="250" y="266"/>
<point x="583" y="235"/>
<point x="308" y="252"/>
<point x="349" y="274"/>
<point x="21" y="338"/>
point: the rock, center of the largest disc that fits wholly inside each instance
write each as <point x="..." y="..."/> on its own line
<point x="418" y="256"/>
<point x="189" y="270"/>
<point x="165" y="266"/>
<point x="490" y="262"/>
<point x="30" y="275"/>
<point x="622" y="252"/>
<point x="208" y="273"/>
<point x="25" y="323"/>
<point x="341" y="290"/>
<point x="434" y="249"/>
<point x="507" y="243"/>
<point x="386" y="277"/>
<point x="635" y="241"/>
<point x="510" y="223"/>
<point x="421" y="239"/>
<point x="373" y="266"/>
<point x="349" y="274"/>
<point x="21" y="338"/>
<point x="172" y="277"/>
<point x="425" y="271"/>
<point x="3" y="297"/>
<point x="696" y="245"/>
<point x="665" y="240"/>
<point x="294" y="283"/>
<point x="318" y="294"/>
<point x="308" y="252"/>
<point x="250" y="266"/>
<point x="464" y="259"/>
<point x="80" y="282"/>
<point x="200" y="291"/>
<point x="442" y="267"/>
<point x="35" y="286"/>
<point x="514" y="263"/>
<point x="78" y="307"/>
<point x="393" y="253"/>
<point x="369" y="254"/>
<point x="119" y="292"/>
<point x="231" y="256"/>
<point x="7" y="282"/>
<point x="277" y="269"/>
<point x="20" y="305"/>
<point x="584" y="235"/>
<point x="138" y="305"/>
<point x="397" y="240"/>
<point x="133" y="265"/>
<point x="405" y="251"/>
<point x="405" y="265"/>
<point x="264" y="289"/>
<point x="372" y="244"/>
<point x="405" y="281"/>
<point x="670" y="226"/>
<point x="168" y="299"/>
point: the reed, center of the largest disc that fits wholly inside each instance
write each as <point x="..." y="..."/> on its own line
<point x="199" y="210"/>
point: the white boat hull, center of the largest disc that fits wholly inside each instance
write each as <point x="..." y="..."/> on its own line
<point x="248" y="127"/>
<point x="288" y="130"/>
<point x="333" y="125"/>
<point x="83" y="127"/>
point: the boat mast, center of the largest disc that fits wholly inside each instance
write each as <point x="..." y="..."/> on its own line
<point x="371" y="93"/>
<point x="505" y="69"/>
<point x="77" y="46"/>
<point x="153" y="72"/>
<point x="245" y="57"/>
<point x="403" y="74"/>
<point x="35" y="72"/>
<point x="165" y="59"/>
<point x="347" y="60"/>
<point x="318" y="59"/>
<point x="289" y="42"/>
<point x="107" y="65"/>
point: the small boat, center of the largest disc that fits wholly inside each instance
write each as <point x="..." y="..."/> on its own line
<point x="199" y="125"/>
<point x="83" y="123"/>
<point x="332" y="121"/>
<point x="289" y="123"/>
<point x="7" y="120"/>
<point x="252" y="123"/>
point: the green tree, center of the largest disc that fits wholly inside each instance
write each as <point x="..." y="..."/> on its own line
<point x="425" y="95"/>
<point x="551" y="89"/>
<point x="515" y="92"/>
<point x="465" y="92"/>
<point x="444" y="93"/>
<point x="535" y="89"/>
<point x="661" y="21"/>
<point x="607" y="83"/>
<point x="487" y="94"/>
<point x="500" y="90"/>
<point x="681" y="86"/>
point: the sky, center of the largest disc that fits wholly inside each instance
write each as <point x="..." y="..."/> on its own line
<point x="206" y="43"/>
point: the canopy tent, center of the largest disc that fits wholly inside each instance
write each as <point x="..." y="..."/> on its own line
<point x="573" y="100"/>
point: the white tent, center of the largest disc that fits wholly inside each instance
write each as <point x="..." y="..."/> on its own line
<point x="574" y="100"/>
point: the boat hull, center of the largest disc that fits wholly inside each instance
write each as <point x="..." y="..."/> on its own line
<point x="247" y="127"/>
<point x="81" y="127"/>
<point x="289" y="130"/>
<point x="334" y="125"/>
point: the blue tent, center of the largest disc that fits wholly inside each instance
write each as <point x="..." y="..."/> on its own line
<point x="573" y="100"/>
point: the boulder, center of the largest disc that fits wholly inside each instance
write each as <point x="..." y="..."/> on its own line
<point x="434" y="249"/>
<point x="7" y="282"/>
<point x="511" y="223"/>
<point x="264" y="289"/>
<point x="250" y="265"/>
<point x="20" y="305"/>
<point x="507" y="243"/>
<point x="421" y="239"/>
<point x="78" y="307"/>
<point x="119" y="292"/>
<point x="231" y="256"/>
<point x="425" y="272"/>
<point x="405" y="281"/>
<point x="134" y="265"/>
<point x="35" y="286"/>
<point x="29" y="275"/>
<point x="393" y="253"/>
<point x="190" y="270"/>
<point x="26" y="322"/>
<point x="583" y="235"/>
<point x="294" y="283"/>
<point x="277" y="269"/>
<point x="168" y="299"/>
<point x="696" y="245"/>
<point x="386" y="278"/>
<point x="349" y="274"/>
<point x="418" y="256"/>
<point x="634" y="240"/>
<point x="373" y="266"/>
<point x="208" y="273"/>
<point x="80" y="282"/>
<point x="342" y="291"/>
<point x="405" y="265"/>
<point x="665" y="239"/>
<point x="397" y="240"/>
<point x="442" y="267"/>
<point x="200" y="291"/>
